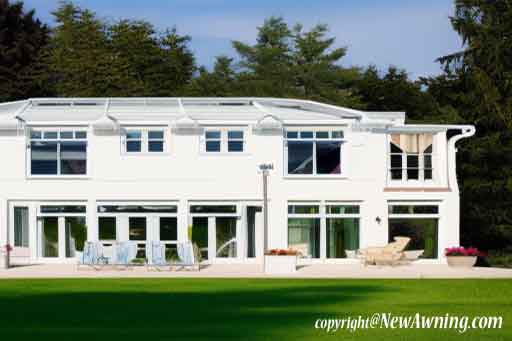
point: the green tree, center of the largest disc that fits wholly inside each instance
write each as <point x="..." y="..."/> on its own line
<point x="478" y="83"/>
<point x="221" y="82"/>
<point x="22" y="41"/>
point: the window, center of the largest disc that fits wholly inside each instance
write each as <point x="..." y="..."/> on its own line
<point x="316" y="153"/>
<point x="107" y="230"/>
<point x="418" y="222"/>
<point x="145" y="141"/>
<point x="230" y="141"/>
<point x="207" y="209"/>
<point x="137" y="208"/>
<point x="235" y="141"/>
<point x="21" y="227"/>
<point x="58" y="209"/>
<point x="137" y="231"/>
<point x="212" y="139"/>
<point x="304" y="229"/>
<point x="411" y="157"/>
<point x="58" y="152"/>
<point x="76" y="235"/>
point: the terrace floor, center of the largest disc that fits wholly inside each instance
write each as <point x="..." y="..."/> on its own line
<point x="256" y="271"/>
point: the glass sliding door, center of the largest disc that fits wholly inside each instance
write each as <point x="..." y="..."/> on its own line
<point x="200" y="235"/>
<point x="342" y="235"/>
<point x="76" y="235"/>
<point x="168" y="227"/>
<point x="422" y="231"/>
<point x="225" y="237"/>
<point x="50" y="237"/>
<point x="304" y="236"/>
<point x="137" y="231"/>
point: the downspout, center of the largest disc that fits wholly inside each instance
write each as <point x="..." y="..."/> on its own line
<point x="467" y="131"/>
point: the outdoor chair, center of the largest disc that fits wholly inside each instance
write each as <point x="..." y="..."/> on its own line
<point x="123" y="254"/>
<point x="89" y="256"/>
<point x="189" y="257"/>
<point x="155" y="254"/>
<point x="390" y="254"/>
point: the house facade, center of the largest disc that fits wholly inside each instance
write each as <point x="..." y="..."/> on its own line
<point x="173" y="169"/>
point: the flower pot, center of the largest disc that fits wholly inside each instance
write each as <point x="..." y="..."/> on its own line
<point x="4" y="261"/>
<point x="280" y="264"/>
<point x="461" y="261"/>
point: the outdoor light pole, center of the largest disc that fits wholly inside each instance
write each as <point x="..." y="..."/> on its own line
<point x="264" y="168"/>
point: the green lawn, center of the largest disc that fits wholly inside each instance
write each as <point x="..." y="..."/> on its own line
<point x="238" y="309"/>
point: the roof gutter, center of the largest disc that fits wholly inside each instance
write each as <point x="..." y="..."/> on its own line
<point x="467" y="131"/>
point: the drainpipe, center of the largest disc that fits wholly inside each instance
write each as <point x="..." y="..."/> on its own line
<point x="467" y="131"/>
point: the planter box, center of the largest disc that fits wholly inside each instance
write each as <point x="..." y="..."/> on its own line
<point x="461" y="261"/>
<point x="280" y="264"/>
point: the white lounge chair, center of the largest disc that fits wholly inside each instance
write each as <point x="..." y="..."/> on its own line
<point x="189" y="257"/>
<point x="390" y="254"/>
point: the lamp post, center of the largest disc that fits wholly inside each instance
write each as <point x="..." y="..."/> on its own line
<point x="265" y="168"/>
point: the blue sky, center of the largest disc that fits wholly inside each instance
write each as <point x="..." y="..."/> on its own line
<point x="410" y="34"/>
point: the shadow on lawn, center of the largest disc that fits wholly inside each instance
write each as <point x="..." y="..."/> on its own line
<point x="174" y="309"/>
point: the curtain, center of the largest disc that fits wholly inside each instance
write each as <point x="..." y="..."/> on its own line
<point x="412" y="143"/>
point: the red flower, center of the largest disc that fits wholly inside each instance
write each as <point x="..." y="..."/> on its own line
<point x="461" y="251"/>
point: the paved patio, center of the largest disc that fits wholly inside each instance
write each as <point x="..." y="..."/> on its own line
<point x="256" y="271"/>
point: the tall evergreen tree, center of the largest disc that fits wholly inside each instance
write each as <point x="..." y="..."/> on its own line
<point x="221" y="82"/>
<point x="22" y="41"/>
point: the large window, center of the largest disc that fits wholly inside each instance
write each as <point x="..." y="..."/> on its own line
<point x="342" y="225"/>
<point x="76" y="235"/>
<point x="314" y="152"/>
<point x="304" y="229"/>
<point x="411" y="157"/>
<point x="148" y="140"/>
<point x="21" y="229"/>
<point x="107" y="230"/>
<point x="61" y="152"/>
<point x="418" y="222"/>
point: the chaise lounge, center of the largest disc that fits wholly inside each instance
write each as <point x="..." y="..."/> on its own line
<point x="390" y="254"/>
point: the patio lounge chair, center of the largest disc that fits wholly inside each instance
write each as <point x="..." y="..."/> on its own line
<point x="155" y="254"/>
<point x="390" y="254"/>
<point x="89" y="256"/>
<point x="124" y="253"/>
<point x="188" y="255"/>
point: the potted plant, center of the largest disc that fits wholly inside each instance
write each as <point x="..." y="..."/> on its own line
<point x="461" y="257"/>
<point x="281" y="261"/>
<point x="6" y="250"/>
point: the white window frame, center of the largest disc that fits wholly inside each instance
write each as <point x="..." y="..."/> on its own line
<point x="57" y="140"/>
<point x="144" y="140"/>
<point x="224" y="140"/>
<point x="331" y="131"/>
<point x="421" y="165"/>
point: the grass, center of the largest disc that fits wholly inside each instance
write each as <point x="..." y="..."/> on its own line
<point x="240" y="309"/>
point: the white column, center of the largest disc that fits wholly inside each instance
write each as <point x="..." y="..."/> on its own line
<point x="323" y="233"/>
<point x="92" y="221"/>
<point x="33" y="231"/>
<point x="241" y="233"/>
<point x="183" y="221"/>
<point x="212" y="240"/>
<point x="62" y="236"/>
<point x="4" y="227"/>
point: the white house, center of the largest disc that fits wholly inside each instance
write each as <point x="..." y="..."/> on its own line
<point x="114" y="169"/>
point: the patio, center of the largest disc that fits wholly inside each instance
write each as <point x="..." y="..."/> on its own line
<point x="256" y="271"/>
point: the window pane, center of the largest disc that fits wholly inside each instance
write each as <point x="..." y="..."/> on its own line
<point x="76" y="235"/>
<point x="36" y="135"/>
<point x="43" y="158"/>
<point x="225" y="234"/>
<point x="292" y="134"/>
<point x="213" y="209"/>
<point x="394" y="148"/>
<point x="155" y="146"/>
<point x="343" y="209"/>
<point x="235" y="146"/>
<point x="21" y="226"/>
<point x="107" y="228"/>
<point x="50" y="237"/>
<point x="322" y="134"/>
<point x="412" y="161"/>
<point x="133" y="146"/>
<point x="212" y="134"/>
<point x="428" y="174"/>
<point x="306" y="134"/>
<point x="328" y="157"/>
<point x="168" y="228"/>
<point x="81" y="134"/>
<point x="50" y="134"/>
<point x="396" y="174"/>
<point x="137" y="209"/>
<point x="337" y="134"/>
<point x="200" y="235"/>
<point x="213" y="146"/>
<point x="342" y="236"/>
<point x="133" y="134"/>
<point x="73" y="157"/>
<point x="427" y="160"/>
<point x="62" y="209"/>
<point x="155" y="134"/>
<point x="413" y="209"/>
<point x="423" y="234"/>
<point x="304" y="236"/>
<point x="412" y="174"/>
<point x="300" y="157"/>
<point x="235" y="134"/>
<point x="137" y="228"/>
<point x="66" y="134"/>
<point x="396" y="161"/>
<point x="303" y="209"/>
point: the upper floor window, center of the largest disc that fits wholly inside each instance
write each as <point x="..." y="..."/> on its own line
<point x="58" y="152"/>
<point x="144" y="141"/>
<point x="231" y="141"/>
<point x="411" y="157"/>
<point x="314" y="152"/>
